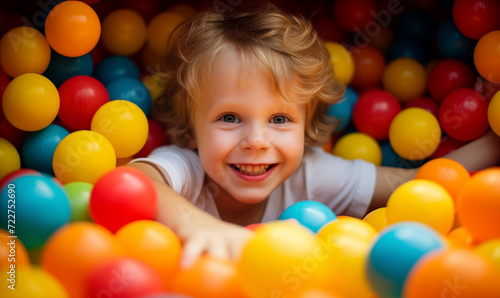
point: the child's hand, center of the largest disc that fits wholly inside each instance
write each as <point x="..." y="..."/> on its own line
<point x="213" y="237"/>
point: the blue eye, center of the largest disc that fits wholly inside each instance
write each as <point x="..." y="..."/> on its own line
<point x="279" y="119"/>
<point x="230" y="118"/>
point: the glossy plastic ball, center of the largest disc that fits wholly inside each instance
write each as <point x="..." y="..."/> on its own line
<point x="342" y="62"/>
<point x="33" y="282"/>
<point x="448" y="75"/>
<point x="156" y="137"/>
<point x="405" y="78"/>
<point x="62" y="68"/>
<point x="311" y="214"/>
<point x="486" y="56"/>
<point x="425" y="103"/>
<point x="79" y="197"/>
<point x="354" y="16"/>
<point x="9" y="157"/>
<point x="475" y="18"/>
<point x="124" y="32"/>
<point x="494" y="113"/>
<point x="133" y="90"/>
<point x="114" y="67"/>
<point x="160" y="31"/>
<point x="358" y="145"/>
<point x="342" y="110"/>
<point x="369" y="64"/>
<point x="377" y="218"/>
<point x="453" y="44"/>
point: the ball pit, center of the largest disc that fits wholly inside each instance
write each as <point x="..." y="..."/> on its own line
<point x="311" y="214"/>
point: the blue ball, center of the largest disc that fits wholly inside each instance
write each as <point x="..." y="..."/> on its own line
<point x="407" y="48"/>
<point x="37" y="204"/>
<point x="115" y="67"/>
<point x="453" y="44"/>
<point x="133" y="90"/>
<point x="394" y="252"/>
<point x="415" y="25"/>
<point x="311" y="214"/>
<point x="39" y="147"/>
<point x="342" y="111"/>
<point x="62" y="68"/>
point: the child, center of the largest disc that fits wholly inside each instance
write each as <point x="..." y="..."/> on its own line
<point x="244" y="105"/>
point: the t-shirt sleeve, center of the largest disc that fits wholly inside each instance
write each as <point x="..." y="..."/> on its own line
<point x="346" y="186"/>
<point x="180" y="167"/>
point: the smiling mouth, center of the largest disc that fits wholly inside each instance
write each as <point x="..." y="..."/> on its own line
<point x="252" y="170"/>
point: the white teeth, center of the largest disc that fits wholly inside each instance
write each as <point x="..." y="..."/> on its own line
<point x="252" y="170"/>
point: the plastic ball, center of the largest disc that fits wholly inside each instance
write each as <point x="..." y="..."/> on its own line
<point x="446" y="146"/>
<point x="311" y="214"/>
<point x="453" y="44"/>
<point x="349" y="226"/>
<point x="342" y="110"/>
<point x="407" y="48"/>
<point x="475" y="18"/>
<point x="124" y="124"/>
<point x="424" y="103"/>
<point x="79" y="197"/>
<point x="463" y="114"/>
<point x="405" y="78"/>
<point x="342" y="62"/>
<point x="494" y="113"/>
<point x="446" y="172"/>
<point x="391" y="159"/>
<point x="354" y="16"/>
<point x="458" y="272"/>
<point x="156" y="137"/>
<point x="83" y="156"/>
<point x="374" y="111"/>
<point x="213" y="277"/>
<point x="357" y="145"/>
<point x="423" y="201"/>
<point x="377" y="218"/>
<point x="448" y="75"/>
<point x="115" y="67"/>
<point x="75" y="250"/>
<point x="395" y="252"/>
<point x="9" y="254"/>
<point x="415" y="25"/>
<point x="62" y="68"/>
<point x="486" y="56"/>
<point x="133" y="90"/>
<point x="153" y="243"/>
<point x="478" y="205"/>
<point x="124" y="32"/>
<point x="414" y="134"/>
<point x="81" y="97"/>
<point x="9" y="158"/>
<point x="154" y="84"/>
<point x="30" y="102"/>
<point x="460" y="237"/>
<point x="11" y="133"/>
<point x="490" y="250"/>
<point x="33" y="282"/>
<point x="24" y="50"/>
<point x="160" y="31"/>
<point x="382" y="40"/>
<point x="41" y="207"/>
<point x="135" y="279"/>
<point x="16" y="174"/>
<point x="121" y="196"/>
<point x="279" y="247"/>
<point x="72" y="28"/>
<point x="369" y="64"/>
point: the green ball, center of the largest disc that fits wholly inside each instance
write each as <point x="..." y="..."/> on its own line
<point x="79" y="196"/>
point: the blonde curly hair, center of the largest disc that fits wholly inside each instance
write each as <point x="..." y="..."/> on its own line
<point x="284" y="45"/>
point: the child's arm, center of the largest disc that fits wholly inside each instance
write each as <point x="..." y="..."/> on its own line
<point x="199" y="231"/>
<point x="477" y="155"/>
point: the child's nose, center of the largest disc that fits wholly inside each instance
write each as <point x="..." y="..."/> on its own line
<point x="256" y="138"/>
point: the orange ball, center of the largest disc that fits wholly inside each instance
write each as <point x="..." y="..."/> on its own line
<point x="478" y="205"/>
<point x="446" y="172"/>
<point x="208" y="277"/>
<point x="72" y="28"/>
<point x="487" y="56"/>
<point x="460" y="237"/>
<point x="74" y="251"/>
<point x="154" y="244"/>
<point x="124" y="32"/>
<point x="21" y="257"/>
<point x="452" y="273"/>
<point x="160" y="31"/>
<point x="369" y="64"/>
<point x="405" y="78"/>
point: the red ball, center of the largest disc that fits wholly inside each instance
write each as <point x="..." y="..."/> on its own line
<point x="156" y="138"/>
<point x="424" y="103"/>
<point x="463" y="114"/>
<point x="475" y="18"/>
<point x="81" y="96"/>
<point x="17" y="174"/>
<point x="355" y="15"/>
<point x="121" y="196"/>
<point x="448" y="75"/>
<point x="373" y="113"/>
<point x="123" y="277"/>
<point x="446" y="146"/>
<point x="369" y="65"/>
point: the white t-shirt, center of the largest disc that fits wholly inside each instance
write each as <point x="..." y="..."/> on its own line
<point x="345" y="186"/>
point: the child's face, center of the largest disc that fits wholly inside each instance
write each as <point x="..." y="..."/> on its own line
<point x="249" y="138"/>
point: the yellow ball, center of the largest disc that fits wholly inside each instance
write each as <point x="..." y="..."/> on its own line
<point x="490" y="250"/>
<point x="354" y="227"/>
<point x="160" y="31"/>
<point x="424" y="201"/>
<point x="32" y="282"/>
<point x="281" y="258"/>
<point x="24" y="50"/>
<point x="414" y="133"/>
<point x="31" y="102"/>
<point x="358" y="145"/>
<point x="124" y="124"/>
<point x="494" y="113"/>
<point x="377" y="218"/>
<point x="342" y="61"/>
<point x="9" y="158"/>
<point x="124" y="32"/>
<point x="83" y="156"/>
<point x="405" y="78"/>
